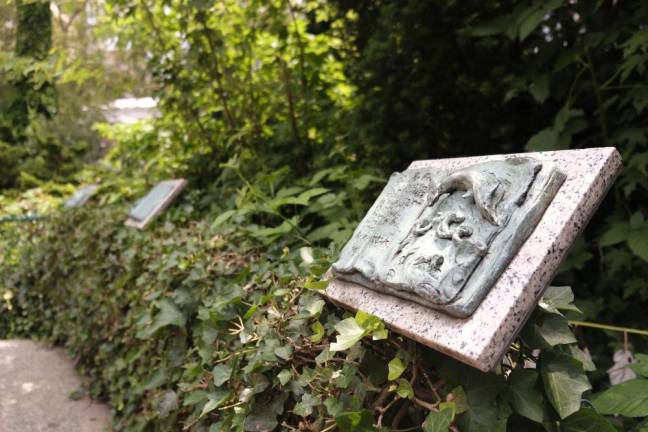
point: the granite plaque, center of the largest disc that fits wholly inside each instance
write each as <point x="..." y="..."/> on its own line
<point x="455" y="253"/>
<point x="81" y="196"/>
<point x="442" y="237"/>
<point x="158" y="199"/>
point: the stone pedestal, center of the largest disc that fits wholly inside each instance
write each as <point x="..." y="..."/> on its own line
<point x="481" y="339"/>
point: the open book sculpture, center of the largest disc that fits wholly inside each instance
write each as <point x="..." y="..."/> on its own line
<point x="442" y="238"/>
<point x="456" y="253"/>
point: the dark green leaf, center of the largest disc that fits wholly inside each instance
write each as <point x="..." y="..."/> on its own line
<point x="557" y="298"/>
<point x="564" y="383"/>
<point x="586" y="420"/>
<point x="357" y="421"/>
<point x="222" y="374"/>
<point x="525" y="398"/>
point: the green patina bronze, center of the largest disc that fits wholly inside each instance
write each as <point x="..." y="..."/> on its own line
<point x="442" y="238"/>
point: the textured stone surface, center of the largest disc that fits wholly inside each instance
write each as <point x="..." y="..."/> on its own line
<point x="154" y="203"/>
<point x="35" y="383"/>
<point x="481" y="339"/>
<point x="81" y="196"/>
<point x="429" y="236"/>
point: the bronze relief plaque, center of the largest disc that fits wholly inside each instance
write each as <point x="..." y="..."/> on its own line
<point x="441" y="238"/>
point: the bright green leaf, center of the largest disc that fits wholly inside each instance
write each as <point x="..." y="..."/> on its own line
<point x="396" y="368"/>
<point x="404" y="389"/>
<point x="629" y="399"/>
<point x="349" y="334"/>
<point x="438" y="421"/>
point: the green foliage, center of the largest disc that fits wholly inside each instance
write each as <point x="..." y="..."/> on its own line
<point x="628" y="399"/>
<point x="207" y="326"/>
<point x="34" y="30"/>
<point x="442" y="79"/>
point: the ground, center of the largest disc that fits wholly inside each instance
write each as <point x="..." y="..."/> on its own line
<point x="35" y="386"/>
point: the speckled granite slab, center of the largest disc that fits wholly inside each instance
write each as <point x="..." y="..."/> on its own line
<point x="154" y="203"/>
<point x="483" y="338"/>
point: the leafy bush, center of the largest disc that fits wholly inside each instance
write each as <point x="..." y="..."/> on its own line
<point x="216" y="325"/>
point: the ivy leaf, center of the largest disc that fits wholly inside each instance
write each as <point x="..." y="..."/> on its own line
<point x="490" y="28"/>
<point x="284" y="376"/>
<point x="223" y="217"/>
<point x="564" y="383"/>
<point x="618" y="232"/>
<point x="166" y="403"/>
<point x="531" y="23"/>
<point x="586" y="420"/>
<point x="552" y="330"/>
<point x="356" y="421"/>
<point x="439" y="421"/>
<point x="485" y="411"/>
<point x="324" y="356"/>
<point x="638" y="244"/>
<point x="216" y="399"/>
<point x="525" y="398"/>
<point x="222" y="374"/>
<point x="264" y="418"/>
<point x="333" y="406"/>
<point x="405" y="389"/>
<point x="546" y="139"/>
<point x="539" y="88"/>
<point x="318" y="331"/>
<point x="349" y="334"/>
<point x="641" y="365"/>
<point x="315" y="307"/>
<point x="629" y="399"/>
<point x="155" y="380"/>
<point x="396" y="368"/>
<point x="557" y="298"/>
<point x="372" y="325"/>
<point x="304" y="408"/>
<point x="169" y="314"/>
<point x="460" y="399"/>
<point x="317" y="285"/>
<point x="583" y="356"/>
<point x="284" y="352"/>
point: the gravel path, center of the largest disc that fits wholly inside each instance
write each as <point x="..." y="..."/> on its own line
<point x="35" y="382"/>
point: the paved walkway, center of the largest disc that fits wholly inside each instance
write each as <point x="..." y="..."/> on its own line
<point x="35" y="383"/>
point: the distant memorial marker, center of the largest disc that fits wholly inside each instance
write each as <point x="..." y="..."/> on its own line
<point x="81" y="196"/>
<point x="455" y="253"/>
<point x="158" y="199"/>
